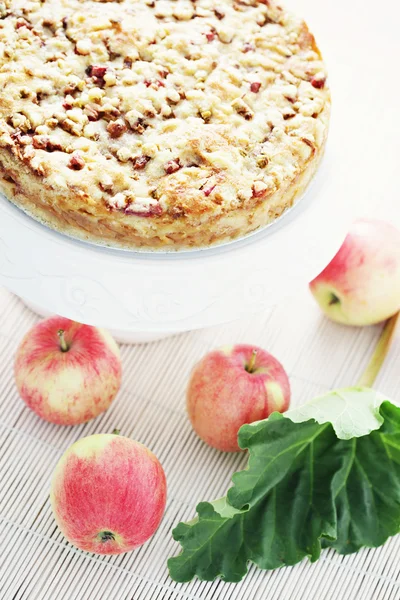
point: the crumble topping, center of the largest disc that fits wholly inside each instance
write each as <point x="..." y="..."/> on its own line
<point x="160" y="107"/>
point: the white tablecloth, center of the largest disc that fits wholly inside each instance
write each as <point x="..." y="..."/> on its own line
<point x="36" y="562"/>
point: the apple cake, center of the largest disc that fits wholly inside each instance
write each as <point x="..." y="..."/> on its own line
<point x="160" y="124"/>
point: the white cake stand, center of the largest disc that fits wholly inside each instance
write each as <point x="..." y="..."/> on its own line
<point x="142" y="295"/>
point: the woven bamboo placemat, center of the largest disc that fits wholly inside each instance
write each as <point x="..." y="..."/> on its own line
<point x="36" y="562"/>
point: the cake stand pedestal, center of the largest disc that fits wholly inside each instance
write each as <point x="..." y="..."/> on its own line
<point x="143" y="296"/>
<point x="123" y="337"/>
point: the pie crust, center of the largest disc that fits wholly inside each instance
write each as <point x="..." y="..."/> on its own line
<point x="160" y="124"/>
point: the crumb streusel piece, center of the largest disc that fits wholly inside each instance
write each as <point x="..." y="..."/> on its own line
<point x="158" y="123"/>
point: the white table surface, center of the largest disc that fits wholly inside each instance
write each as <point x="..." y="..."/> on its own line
<point x="36" y="562"/>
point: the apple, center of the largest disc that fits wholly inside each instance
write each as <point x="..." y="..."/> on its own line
<point x="233" y="386"/>
<point x="361" y="285"/>
<point x="66" y="372"/>
<point x="108" y="494"/>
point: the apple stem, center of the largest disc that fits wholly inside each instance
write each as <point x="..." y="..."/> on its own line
<point x="116" y="432"/>
<point x="63" y="344"/>
<point x="250" y="366"/>
<point x="382" y="348"/>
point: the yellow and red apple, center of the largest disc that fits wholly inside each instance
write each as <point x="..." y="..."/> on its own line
<point x="108" y="494"/>
<point x="231" y="387"/>
<point x="361" y="285"/>
<point x="66" y="372"/>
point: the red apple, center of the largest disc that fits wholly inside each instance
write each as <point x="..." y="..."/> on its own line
<point x="108" y="494"/>
<point x="233" y="386"/>
<point x="67" y="373"/>
<point x="361" y="285"/>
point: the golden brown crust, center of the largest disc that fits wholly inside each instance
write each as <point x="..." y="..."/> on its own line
<point x="190" y="133"/>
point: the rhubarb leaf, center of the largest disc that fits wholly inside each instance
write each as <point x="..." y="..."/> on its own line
<point x="304" y="489"/>
<point x="353" y="412"/>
